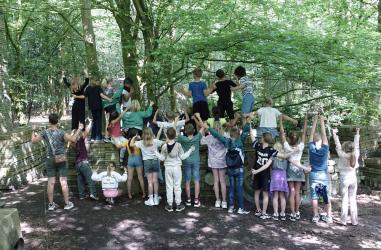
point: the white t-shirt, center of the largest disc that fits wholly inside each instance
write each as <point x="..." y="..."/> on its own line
<point x="167" y="125"/>
<point x="297" y="155"/>
<point x="148" y="153"/>
<point x="268" y="117"/>
<point x="126" y="104"/>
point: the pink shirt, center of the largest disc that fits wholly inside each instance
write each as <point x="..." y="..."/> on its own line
<point x="115" y="129"/>
<point x="216" y="152"/>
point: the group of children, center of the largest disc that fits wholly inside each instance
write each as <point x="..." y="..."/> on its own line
<point x="276" y="173"/>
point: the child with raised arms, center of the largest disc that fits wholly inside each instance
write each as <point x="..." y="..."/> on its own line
<point x="348" y="154"/>
<point x="319" y="177"/>
<point x="295" y="175"/>
<point x="235" y="157"/>
<point x="148" y="145"/>
<point x="110" y="181"/>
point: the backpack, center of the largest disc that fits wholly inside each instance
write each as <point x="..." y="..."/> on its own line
<point x="233" y="158"/>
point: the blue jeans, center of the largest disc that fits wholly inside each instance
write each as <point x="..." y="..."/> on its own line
<point x="236" y="178"/>
<point x="84" y="176"/>
<point x="96" y="129"/>
<point x="247" y="103"/>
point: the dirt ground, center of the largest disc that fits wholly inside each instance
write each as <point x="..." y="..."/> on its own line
<point x="131" y="225"/>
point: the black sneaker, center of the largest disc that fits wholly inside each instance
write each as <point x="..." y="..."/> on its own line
<point x="169" y="208"/>
<point x="282" y="217"/>
<point x="292" y="217"/>
<point x="180" y="207"/>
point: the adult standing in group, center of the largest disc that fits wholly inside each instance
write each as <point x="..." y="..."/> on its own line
<point x="94" y="94"/>
<point x="56" y="162"/>
<point x="78" y="93"/>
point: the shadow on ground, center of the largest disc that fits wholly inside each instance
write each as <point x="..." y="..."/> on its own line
<point x="131" y="225"/>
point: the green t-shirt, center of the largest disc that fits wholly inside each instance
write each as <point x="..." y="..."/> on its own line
<point x="187" y="143"/>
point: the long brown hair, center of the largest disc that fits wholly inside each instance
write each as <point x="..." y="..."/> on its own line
<point x="349" y="148"/>
<point x="147" y="137"/>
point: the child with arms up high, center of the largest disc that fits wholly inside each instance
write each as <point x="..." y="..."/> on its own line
<point x="148" y="145"/>
<point x="217" y="162"/>
<point x="319" y="177"/>
<point x="110" y="180"/>
<point x="173" y="121"/>
<point x="234" y="161"/>
<point x="295" y="175"/>
<point x="348" y="153"/>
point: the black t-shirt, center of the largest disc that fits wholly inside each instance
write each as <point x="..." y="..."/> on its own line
<point x="223" y="90"/>
<point x="93" y="94"/>
<point x="263" y="154"/>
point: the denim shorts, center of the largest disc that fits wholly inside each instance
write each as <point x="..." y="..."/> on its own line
<point x="321" y="177"/>
<point x="151" y="166"/>
<point x="53" y="168"/>
<point x="273" y="131"/>
<point x="191" y="168"/>
<point x="247" y="103"/>
<point x="134" y="161"/>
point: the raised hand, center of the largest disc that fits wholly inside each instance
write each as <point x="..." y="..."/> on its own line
<point x="80" y="126"/>
<point x="358" y="130"/>
<point x="151" y="103"/>
<point x="335" y="131"/>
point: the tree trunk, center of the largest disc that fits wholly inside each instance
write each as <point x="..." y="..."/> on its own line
<point x="379" y="16"/>
<point x="128" y="38"/>
<point x="5" y="102"/>
<point x="89" y="37"/>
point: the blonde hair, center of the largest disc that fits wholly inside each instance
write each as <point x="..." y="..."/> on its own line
<point x="111" y="165"/>
<point x="147" y="137"/>
<point x="104" y="83"/>
<point x="135" y="106"/>
<point x="75" y="83"/>
<point x="217" y="126"/>
<point x="349" y="148"/>
<point x="279" y="147"/>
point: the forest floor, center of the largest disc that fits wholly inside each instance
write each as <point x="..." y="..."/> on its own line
<point x="129" y="224"/>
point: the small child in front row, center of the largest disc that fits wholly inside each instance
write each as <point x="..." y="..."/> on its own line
<point x="148" y="145"/>
<point x="110" y="181"/>
<point x="348" y="163"/>
<point x="192" y="163"/>
<point x="261" y="181"/>
<point x="278" y="183"/>
<point x="236" y="174"/>
<point x="172" y="154"/>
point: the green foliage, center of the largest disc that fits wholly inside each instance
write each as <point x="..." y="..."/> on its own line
<point x="306" y="55"/>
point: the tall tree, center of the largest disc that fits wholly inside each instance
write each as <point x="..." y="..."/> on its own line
<point x="5" y="104"/>
<point x="89" y="37"/>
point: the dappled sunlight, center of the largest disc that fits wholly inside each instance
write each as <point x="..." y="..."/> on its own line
<point x="209" y="229"/>
<point x="194" y="214"/>
<point x="188" y="223"/>
<point x="312" y="240"/>
<point x="370" y="244"/>
<point x="256" y="228"/>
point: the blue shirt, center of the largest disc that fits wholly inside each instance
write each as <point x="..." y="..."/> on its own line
<point x="197" y="89"/>
<point x="318" y="157"/>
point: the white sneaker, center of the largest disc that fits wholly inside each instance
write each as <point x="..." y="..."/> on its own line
<point x="217" y="204"/>
<point x="150" y="202"/>
<point x="156" y="200"/>
<point x="69" y="205"/>
<point x="224" y="205"/>
<point x="231" y="210"/>
<point x="52" y="206"/>
<point x="243" y="211"/>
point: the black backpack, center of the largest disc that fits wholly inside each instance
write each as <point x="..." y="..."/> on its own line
<point x="233" y="158"/>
